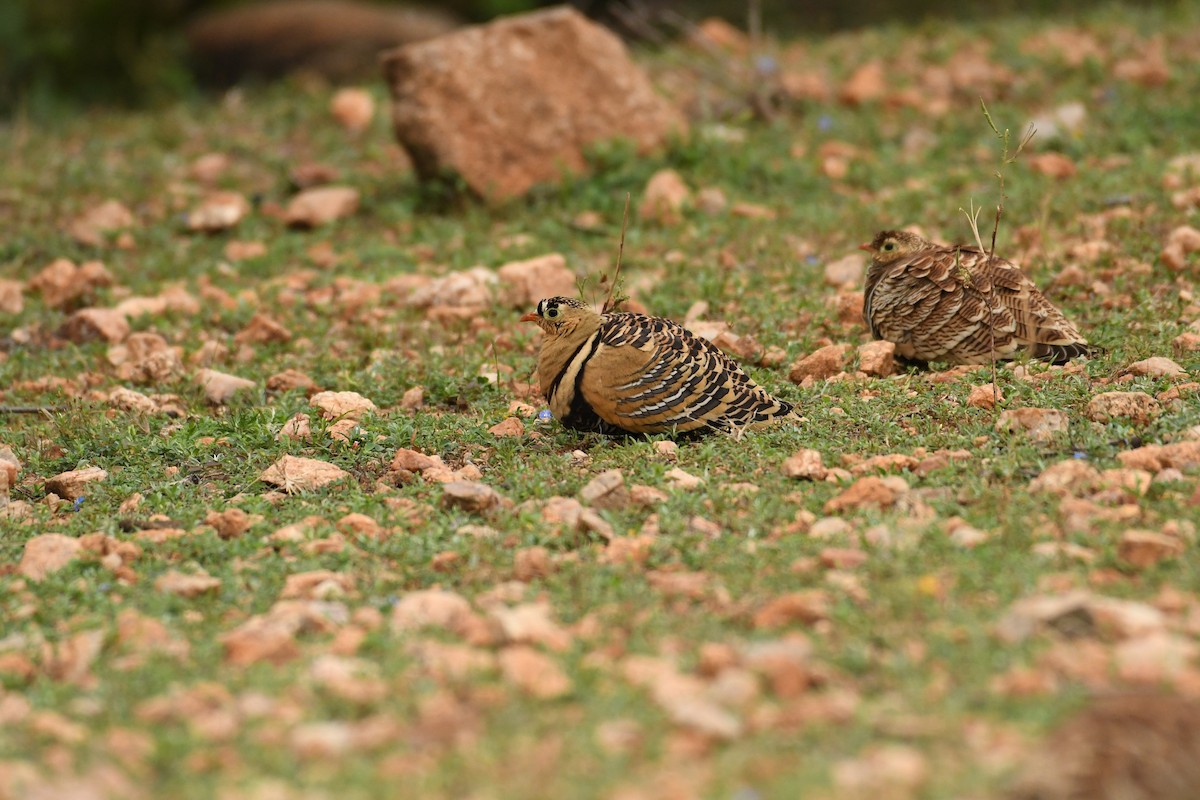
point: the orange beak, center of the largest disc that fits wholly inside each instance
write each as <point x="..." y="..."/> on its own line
<point x="866" y="247"/>
<point x="532" y="316"/>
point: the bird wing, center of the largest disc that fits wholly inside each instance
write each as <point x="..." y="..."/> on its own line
<point x="1038" y="322"/>
<point x="652" y="375"/>
<point x="931" y="301"/>
<point x="956" y="304"/>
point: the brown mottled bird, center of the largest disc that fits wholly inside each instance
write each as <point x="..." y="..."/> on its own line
<point x="1127" y="746"/>
<point x="632" y="374"/>
<point x="955" y="304"/>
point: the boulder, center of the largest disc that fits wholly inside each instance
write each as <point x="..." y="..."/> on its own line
<point x="516" y="102"/>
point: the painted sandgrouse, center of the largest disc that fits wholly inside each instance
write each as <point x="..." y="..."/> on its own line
<point x="954" y="304"/>
<point x="628" y="373"/>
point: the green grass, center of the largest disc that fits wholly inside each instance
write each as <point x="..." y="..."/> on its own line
<point x="912" y="644"/>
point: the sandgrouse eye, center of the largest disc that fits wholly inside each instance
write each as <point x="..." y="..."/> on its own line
<point x="954" y="304"/>
<point x="627" y="373"/>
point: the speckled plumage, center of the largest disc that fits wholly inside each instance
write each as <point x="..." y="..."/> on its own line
<point x="1130" y="745"/>
<point x="632" y="374"/>
<point x="954" y="304"/>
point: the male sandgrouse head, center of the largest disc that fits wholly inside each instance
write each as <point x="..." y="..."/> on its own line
<point x="633" y="374"/>
<point x="956" y="304"/>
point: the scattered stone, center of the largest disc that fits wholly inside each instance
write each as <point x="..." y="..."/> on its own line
<point x="272" y="636"/>
<point x="805" y="464"/>
<point x="47" y="554"/>
<point x="290" y="380"/>
<point x="471" y="496"/>
<point x="430" y="608"/>
<point x="711" y="200"/>
<point x="10" y="468"/>
<point x="886" y="770"/>
<point x="829" y="528"/>
<point x="532" y="562"/>
<point x="318" y="584"/>
<point x="342" y="405"/>
<point x="681" y="479"/>
<point x="985" y="396"/>
<point x="468" y="289"/>
<point x="73" y="484"/>
<point x="243" y="251"/>
<point x="510" y="427"/>
<point x="846" y="271"/>
<point x="262" y="329"/>
<point x="320" y="206"/>
<point x="877" y="359"/>
<point x="231" y="523"/>
<point x="883" y="463"/>
<point x="664" y="198"/>
<point x="12" y="297"/>
<point x="1076" y="614"/>
<point x="413" y="461"/>
<point x="1056" y="165"/>
<point x="293" y="474"/>
<point x="806" y="607"/>
<point x="61" y="282"/>
<point x="219" y="211"/>
<point x="842" y="557"/>
<point x="1144" y="549"/>
<point x="353" y="109"/>
<point x="220" y="387"/>
<point x="92" y="324"/>
<point x="667" y="449"/>
<point x="866" y="84"/>
<point x="513" y="103"/>
<point x="824" y="363"/>
<point x="1137" y="407"/>
<point x="1186" y="342"/>
<point x="127" y="400"/>
<point x="1156" y="457"/>
<point x="1068" y="477"/>
<point x="533" y="672"/>
<point x="1157" y="367"/>
<point x="868" y="492"/>
<point x="847" y="308"/>
<point x="298" y="426"/>
<point x="606" y="491"/>
<point x="91" y="227"/>
<point x="524" y="283"/>
<point x="145" y="358"/>
<point x="186" y="585"/>
<point x="1039" y="424"/>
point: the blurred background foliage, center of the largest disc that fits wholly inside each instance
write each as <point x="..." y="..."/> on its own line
<point x="65" y="54"/>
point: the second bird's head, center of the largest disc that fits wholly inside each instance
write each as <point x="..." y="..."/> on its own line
<point x="888" y="246"/>
<point x="556" y="315"/>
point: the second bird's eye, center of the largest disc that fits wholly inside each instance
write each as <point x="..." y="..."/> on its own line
<point x="551" y="313"/>
<point x="889" y="246"/>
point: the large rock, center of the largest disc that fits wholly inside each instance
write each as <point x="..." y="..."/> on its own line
<point x="515" y="102"/>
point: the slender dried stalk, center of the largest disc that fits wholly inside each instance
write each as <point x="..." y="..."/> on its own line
<point x="610" y="303"/>
<point x="972" y="216"/>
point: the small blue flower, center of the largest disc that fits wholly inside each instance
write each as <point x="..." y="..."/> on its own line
<point x="824" y="122"/>
<point x="544" y="415"/>
<point x="1080" y="455"/>
<point x="78" y="503"/>
<point x="766" y="65"/>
